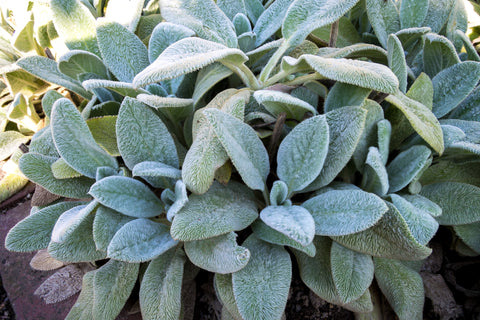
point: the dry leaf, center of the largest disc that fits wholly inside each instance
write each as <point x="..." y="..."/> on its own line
<point x="44" y="262"/>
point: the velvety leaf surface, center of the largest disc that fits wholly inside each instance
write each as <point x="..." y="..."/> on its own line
<point x="142" y="136"/>
<point x="265" y="233"/>
<point x="207" y="78"/>
<point x="360" y="73"/>
<point x="459" y="202"/>
<point x="205" y="18"/>
<point x="112" y="286"/>
<point x="61" y="170"/>
<point x="243" y="146"/>
<point x="375" y="176"/>
<point x="304" y="16"/>
<point x="115" y="11"/>
<point x="413" y="13"/>
<point x="469" y="234"/>
<point x="277" y="102"/>
<point x="438" y="54"/>
<point x="83" y="307"/>
<point x="402" y="287"/>
<point x="128" y="196"/>
<point x="343" y="94"/>
<point x="345" y="129"/>
<point x="123" y="52"/>
<point x="460" y="78"/>
<point x="122" y="88"/>
<point x="161" y="286"/>
<point x="224" y="290"/>
<point x="219" y="254"/>
<point x="421" y="119"/>
<point x="106" y="224"/>
<point x="165" y="34"/>
<point x="46" y="69"/>
<point x="140" y="240"/>
<point x="228" y="208"/>
<point x="34" y="232"/>
<point x="302" y="153"/>
<point x="37" y="168"/>
<point x="76" y="62"/>
<point x="261" y="288"/>
<point x="423" y="204"/>
<point x="293" y="221"/>
<point x="396" y="61"/>
<point x="75" y="25"/>
<point x="422" y="225"/>
<point x="185" y="56"/>
<point x="207" y="154"/>
<point x="352" y="272"/>
<point x="270" y="21"/>
<point x="332" y="210"/>
<point x="384" y="18"/>
<point x="390" y="238"/>
<point x="406" y="165"/>
<point x="103" y="130"/>
<point x="74" y="141"/>
<point x="9" y="142"/>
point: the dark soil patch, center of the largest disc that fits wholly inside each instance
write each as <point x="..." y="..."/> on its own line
<point x="6" y="311"/>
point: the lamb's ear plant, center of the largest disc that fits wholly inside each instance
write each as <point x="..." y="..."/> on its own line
<point x="244" y="137"/>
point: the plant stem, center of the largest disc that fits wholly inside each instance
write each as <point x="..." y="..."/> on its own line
<point x="266" y="196"/>
<point x="276" y="78"/>
<point x="333" y="34"/>
<point x="305" y="78"/>
<point x="272" y="62"/>
<point x="245" y="74"/>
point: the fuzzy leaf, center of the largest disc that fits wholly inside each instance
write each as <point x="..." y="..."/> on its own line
<point x="396" y="61"/>
<point x="423" y="204"/>
<point x="161" y="286"/>
<point x="156" y="173"/>
<point x="304" y="16"/>
<point x="402" y="287"/>
<point x="75" y="25"/>
<point x="140" y="240"/>
<point x="460" y="78"/>
<point x="422" y="225"/>
<point x="370" y="133"/>
<point x="9" y="143"/>
<point x="205" y="18"/>
<point x="375" y="177"/>
<point x="293" y="221"/>
<point x="116" y="11"/>
<point x="123" y="52"/>
<point x="345" y="129"/>
<point x="46" y="69"/>
<point x="142" y="136"/>
<point x="228" y="208"/>
<point x="76" y="62"/>
<point x="343" y="94"/>
<point x="302" y="153"/>
<point x="457" y="200"/>
<point x="48" y="100"/>
<point x="83" y="307"/>
<point x="316" y="273"/>
<point x="406" y="166"/>
<point x="74" y="141"/>
<point x="413" y="13"/>
<point x="452" y="171"/>
<point x="389" y="238"/>
<point x="34" y="232"/>
<point x="175" y="108"/>
<point x="265" y="233"/>
<point x="278" y="193"/>
<point x="331" y="211"/>
<point x="37" y="168"/>
<point x="270" y="21"/>
<point x="219" y="254"/>
<point x="122" y="88"/>
<point x="438" y="54"/>
<point x="243" y="147"/>
<point x="384" y="18"/>
<point x="352" y="272"/>
<point x="128" y="196"/>
<point x="106" y="224"/>
<point x="207" y="78"/>
<point x="359" y="73"/>
<point x="165" y="34"/>
<point x="185" y="56"/>
<point x="469" y="234"/>
<point x="72" y="237"/>
<point x="104" y="132"/>
<point x="61" y="170"/>
<point x="421" y="119"/>
<point x="261" y="288"/>
<point x="347" y="33"/>
<point x="277" y="102"/>
<point x="112" y="286"/>
<point x="224" y="290"/>
<point x="61" y="285"/>
<point x="207" y="154"/>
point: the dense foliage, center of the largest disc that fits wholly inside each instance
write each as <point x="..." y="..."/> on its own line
<point x="242" y="137"/>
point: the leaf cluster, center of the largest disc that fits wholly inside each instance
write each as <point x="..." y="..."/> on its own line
<point x="242" y="137"/>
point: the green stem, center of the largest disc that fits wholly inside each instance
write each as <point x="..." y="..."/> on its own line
<point x="276" y="78"/>
<point x="245" y="74"/>
<point x="266" y="197"/>
<point x="305" y="78"/>
<point x="273" y="61"/>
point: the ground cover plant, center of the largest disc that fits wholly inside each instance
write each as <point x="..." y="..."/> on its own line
<point x="241" y="138"/>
